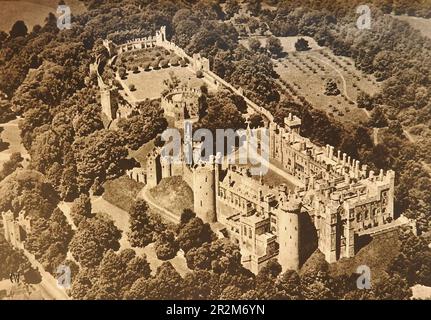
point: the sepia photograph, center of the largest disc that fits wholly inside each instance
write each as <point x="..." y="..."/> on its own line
<point x="215" y="155"/>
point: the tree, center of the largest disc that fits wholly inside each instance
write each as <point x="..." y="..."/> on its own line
<point x="221" y="113"/>
<point x="6" y="113"/>
<point x="19" y="29"/>
<point x="28" y="190"/>
<point x="254" y="6"/>
<point x="143" y="127"/>
<point x="166" y="246"/>
<point x="135" y="69"/>
<point x="164" y="63"/>
<point x="94" y="237"/>
<point x="194" y="234"/>
<point x="331" y="88"/>
<point x="288" y="286"/>
<point x="378" y="118"/>
<point x="200" y="285"/>
<point x="266" y="280"/>
<point x="122" y="72"/>
<point x="219" y="256"/>
<point x="274" y="46"/>
<point x="302" y="45"/>
<point x="364" y="100"/>
<point x="256" y="121"/>
<point x="155" y="64"/>
<point x="167" y="284"/>
<point x="144" y="227"/>
<point x="186" y="216"/>
<point x="174" y="61"/>
<point x="231" y="8"/>
<point x="254" y="44"/>
<point x="101" y="154"/>
<point x="11" y="165"/>
<point x="146" y="66"/>
<point x="88" y="120"/>
<point x="81" y="209"/>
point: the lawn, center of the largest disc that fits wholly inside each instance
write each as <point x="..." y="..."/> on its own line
<point x="32" y="12"/>
<point x="377" y="255"/>
<point x="149" y="84"/>
<point x="122" y="192"/>
<point x="173" y="194"/>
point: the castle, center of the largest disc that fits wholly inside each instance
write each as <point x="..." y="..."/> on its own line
<point x="342" y="200"/>
<point x="181" y="103"/>
<point x="335" y="203"/>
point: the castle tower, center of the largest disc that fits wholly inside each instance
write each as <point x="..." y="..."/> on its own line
<point x="109" y="103"/>
<point x="204" y="192"/>
<point x="272" y="139"/>
<point x="293" y="123"/>
<point x="166" y="168"/>
<point x="288" y="234"/>
<point x="154" y="170"/>
<point x="161" y="36"/>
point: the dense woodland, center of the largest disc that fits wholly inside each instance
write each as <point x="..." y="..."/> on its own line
<point x="44" y="75"/>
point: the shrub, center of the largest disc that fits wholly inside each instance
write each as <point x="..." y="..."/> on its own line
<point x="146" y="66"/>
<point x="174" y="61"/>
<point x="164" y="63"/>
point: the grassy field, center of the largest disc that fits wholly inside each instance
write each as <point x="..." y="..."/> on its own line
<point x="421" y="24"/>
<point x="377" y="255"/>
<point x="173" y="194"/>
<point x="305" y="74"/>
<point x="32" y="12"/>
<point x="122" y="192"/>
<point x="142" y="153"/>
<point x="149" y="84"/>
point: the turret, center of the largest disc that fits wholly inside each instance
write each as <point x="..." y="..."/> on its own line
<point x="288" y="233"/>
<point x="204" y="193"/>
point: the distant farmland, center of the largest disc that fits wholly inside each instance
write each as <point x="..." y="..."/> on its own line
<point x="32" y="12"/>
<point x="421" y="24"/>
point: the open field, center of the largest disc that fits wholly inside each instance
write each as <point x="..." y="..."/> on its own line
<point x="32" y="12"/>
<point x="149" y="84"/>
<point x="303" y="75"/>
<point x="421" y="24"/>
<point x="11" y="135"/>
<point x="122" y="192"/>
